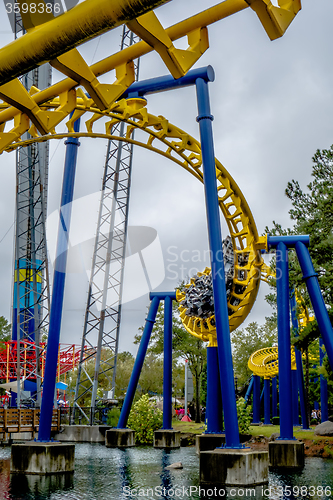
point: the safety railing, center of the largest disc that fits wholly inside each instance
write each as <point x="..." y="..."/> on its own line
<point x="83" y="416"/>
<point x="13" y="420"/>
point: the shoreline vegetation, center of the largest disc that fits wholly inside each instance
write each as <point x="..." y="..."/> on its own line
<point x="314" y="446"/>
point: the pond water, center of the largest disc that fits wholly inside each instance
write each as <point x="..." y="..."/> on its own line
<point x="138" y="473"/>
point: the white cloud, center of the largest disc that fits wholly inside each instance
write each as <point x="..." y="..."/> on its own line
<point x="272" y="105"/>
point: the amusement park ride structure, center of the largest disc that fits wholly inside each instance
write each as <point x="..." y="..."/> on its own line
<point x="39" y="112"/>
<point x="31" y="297"/>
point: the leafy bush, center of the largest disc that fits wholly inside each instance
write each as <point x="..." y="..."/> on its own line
<point x="144" y="419"/>
<point x="244" y="416"/>
<point x="113" y="417"/>
<point x="276" y="420"/>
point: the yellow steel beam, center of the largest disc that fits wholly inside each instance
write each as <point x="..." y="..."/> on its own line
<point x="33" y="15"/>
<point x="179" y="30"/>
<point x="12" y="64"/>
<point x="176" y="60"/>
<point x="47" y="41"/>
<point x="274" y="19"/>
<point x="61" y="34"/>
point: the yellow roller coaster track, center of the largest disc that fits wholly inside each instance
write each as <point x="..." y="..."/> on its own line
<point x="264" y="362"/>
<point x="166" y="139"/>
<point x="40" y="111"/>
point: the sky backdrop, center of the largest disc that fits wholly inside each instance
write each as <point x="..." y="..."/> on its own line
<point x="272" y="106"/>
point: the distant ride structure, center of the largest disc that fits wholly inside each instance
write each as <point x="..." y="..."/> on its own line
<point x="41" y="111"/>
<point x="31" y="298"/>
<point x="68" y="358"/>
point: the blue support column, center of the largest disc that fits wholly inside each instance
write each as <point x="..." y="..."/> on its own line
<point x="299" y="365"/>
<point x="323" y="386"/>
<point x="215" y="243"/>
<point x="249" y="390"/>
<point x="294" y="388"/>
<point x="140" y="357"/>
<point x="267" y="401"/>
<point x="318" y="304"/>
<point x="256" y="399"/>
<point x="282" y="288"/>
<point x="274" y="397"/>
<point x="214" y="399"/>
<point x="301" y="389"/>
<point x="51" y="362"/>
<point x="167" y="365"/>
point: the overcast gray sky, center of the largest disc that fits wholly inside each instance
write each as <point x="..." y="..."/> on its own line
<point x="272" y="103"/>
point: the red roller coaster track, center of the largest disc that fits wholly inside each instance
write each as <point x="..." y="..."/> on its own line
<point x="68" y="358"/>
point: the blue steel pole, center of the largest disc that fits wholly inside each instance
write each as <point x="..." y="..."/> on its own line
<point x="301" y="389"/>
<point x="140" y="357"/>
<point x="215" y="242"/>
<point x="167" y="365"/>
<point x="323" y="386"/>
<point x="317" y="301"/>
<point x="294" y="390"/>
<point x="163" y="83"/>
<point x="249" y="390"/>
<point x="214" y="399"/>
<point x="299" y="365"/>
<point x="274" y="397"/>
<point x="283" y="322"/>
<point x="256" y="399"/>
<point x="51" y="361"/>
<point x="267" y="401"/>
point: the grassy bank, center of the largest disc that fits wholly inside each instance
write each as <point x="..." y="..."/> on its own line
<point x="188" y="427"/>
<point x="255" y="430"/>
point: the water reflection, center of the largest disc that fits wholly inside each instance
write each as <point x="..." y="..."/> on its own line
<point x="136" y="473"/>
<point x="124" y="470"/>
<point x="4" y="477"/>
<point x="166" y="482"/>
<point x="38" y="487"/>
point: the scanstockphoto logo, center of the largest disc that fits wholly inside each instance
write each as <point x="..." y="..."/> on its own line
<point x="40" y="7"/>
<point x="144" y="263"/>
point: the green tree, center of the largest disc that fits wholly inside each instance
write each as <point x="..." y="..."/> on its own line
<point x="125" y="363"/>
<point x="144" y="419"/>
<point x="312" y="214"/>
<point x="5" y="330"/>
<point x="245" y="341"/>
<point x="184" y="345"/>
<point x="244" y="416"/>
<point x="89" y="368"/>
<point x="151" y="377"/>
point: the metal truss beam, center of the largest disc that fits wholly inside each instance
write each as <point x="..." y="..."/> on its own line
<point x="31" y="284"/>
<point x="103" y="312"/>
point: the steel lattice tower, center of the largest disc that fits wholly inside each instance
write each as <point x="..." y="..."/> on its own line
<point x="103" y="312"/>
<point x="31" y="280"/>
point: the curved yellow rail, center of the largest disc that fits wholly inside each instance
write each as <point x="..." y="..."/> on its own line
<point x="170" y="141"/>
<point x="265" y="362"/>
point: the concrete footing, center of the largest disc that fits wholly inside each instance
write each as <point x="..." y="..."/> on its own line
<point x="82" y="433"/>
<point x="206" y="442"/>
<point x="239" y="467"/>
<point x="42" y="458"/>
<point x="119" y="438"/>
<point x="166" y="438"/>
<point x="285" y="453"/>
